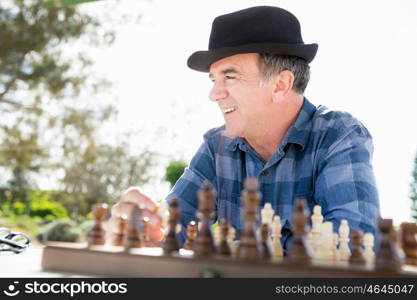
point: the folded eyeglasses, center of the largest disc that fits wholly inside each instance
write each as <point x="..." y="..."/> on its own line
<point x="13" y="241"/>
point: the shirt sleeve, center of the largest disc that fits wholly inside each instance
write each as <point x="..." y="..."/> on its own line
<point x="201" y="169"/>
<point x="345" y="185"/>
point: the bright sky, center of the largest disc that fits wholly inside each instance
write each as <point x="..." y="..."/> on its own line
<point x="366" y="64"/>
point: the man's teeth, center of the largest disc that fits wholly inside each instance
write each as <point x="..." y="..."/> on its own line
<point x="229" y="110"/>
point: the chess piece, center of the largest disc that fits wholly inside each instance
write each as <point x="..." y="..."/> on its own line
<point x="387" y="258"/>
<point x="223" y="247"/>
<point x="170" y="244"/>
<point x="204" y="245"/>
<point x="134" y="228"/>
<point x="316" y="221"/>
<point x="335" y="251"/>
<point x="368" y="244"/>
<point x="248" y="246"/>
<point x="357" y="257"/>
<point x="324" y="246"/>
<point x="297" y="251"/>
<point x="119" y="236"/>
<point x="409" y="242"/>
<point x="267" y="213"/>
<point x="97" y="235"/>
<point x="265" y="245"/>
<point x="191" y="236"/>
<point x="344" y="251"/>
<point x="276" y="237"/>
<point x="231" y="240"/>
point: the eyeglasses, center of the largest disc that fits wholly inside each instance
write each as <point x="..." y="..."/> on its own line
<point x="13" y="241"/>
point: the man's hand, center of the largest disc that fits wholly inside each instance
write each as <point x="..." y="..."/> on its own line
<point x="149" y="209"/>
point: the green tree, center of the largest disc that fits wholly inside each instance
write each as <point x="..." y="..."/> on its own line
<point x="39" y="81"/>
<point x="174" y="170"/>
<point x="413" y="192"/>
<point x="51" y="125"/>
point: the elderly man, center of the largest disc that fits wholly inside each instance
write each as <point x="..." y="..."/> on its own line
<point x="259" y="66"/>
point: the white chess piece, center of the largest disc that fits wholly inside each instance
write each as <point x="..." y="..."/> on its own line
<point x="316" y="222"/>
<point x="324" y="247"/>
<point x="368" y="243"/>
<point x="267" y="213"/>
<point x="336" y="255"/>
<point x="276" y="237"/>
<point x="344" y="250"/>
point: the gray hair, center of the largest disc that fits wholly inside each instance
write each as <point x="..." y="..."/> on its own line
<point x="272" y="64"/>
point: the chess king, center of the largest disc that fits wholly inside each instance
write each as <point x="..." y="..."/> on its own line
<point x="259" y="67"/>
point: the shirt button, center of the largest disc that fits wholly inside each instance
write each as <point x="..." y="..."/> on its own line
<point x="264" y="173"/>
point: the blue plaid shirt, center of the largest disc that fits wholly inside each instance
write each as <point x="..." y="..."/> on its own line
<point x="325" y="157"/>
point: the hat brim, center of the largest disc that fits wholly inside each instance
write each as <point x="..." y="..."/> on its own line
<point x="202" y="60"/>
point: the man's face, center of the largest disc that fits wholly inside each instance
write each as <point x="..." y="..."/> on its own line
<point x="237" y="89"/>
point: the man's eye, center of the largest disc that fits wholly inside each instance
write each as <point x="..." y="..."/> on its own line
<point x="230" y="77"/>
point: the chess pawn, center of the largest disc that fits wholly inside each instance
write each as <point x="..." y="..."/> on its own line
<point x="387" y="258"/>
<point x="204" y="245"/>
<point x="357" y="257"/>
<point x="223" y="246"/>
<point x="297" y="250"/>
<point x="231" y="241"/>
<point x="97" y="235"/>
<point x="265" y="245"/>
<point x="344" y="251"/>
<point x="368" y="244"/>
<point x="191" y="236"/>
<point x="409" y="242"/>
<point x="316" y="222"/>
<point x="134" y="228"/>
<point x="267" y="213"/>
<point x="276" y="237"/>
<point x="170" y="243"/>
<point x="324" y="249"/>
<point x="248" y="246"/>
<point x="119" y="236"/>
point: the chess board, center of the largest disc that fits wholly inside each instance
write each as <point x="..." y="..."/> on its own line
<point x="113" y="261"/>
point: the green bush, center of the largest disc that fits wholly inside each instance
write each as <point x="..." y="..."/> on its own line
<point x="174" y="171"/>
<point x="60" y="230"/>
<point x="42" y="206"/>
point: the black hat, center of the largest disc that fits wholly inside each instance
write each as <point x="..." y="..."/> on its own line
<point x="260" y="29"/>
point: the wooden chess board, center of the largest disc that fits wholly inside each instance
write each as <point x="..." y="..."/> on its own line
<point x="113" y="261"/>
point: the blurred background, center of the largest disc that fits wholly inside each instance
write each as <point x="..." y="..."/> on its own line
<point x="95" y="96"/>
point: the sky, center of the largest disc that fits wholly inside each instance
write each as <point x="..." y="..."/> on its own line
<point x="366" y="65"/>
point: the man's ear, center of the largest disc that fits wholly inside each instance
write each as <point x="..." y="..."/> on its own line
<point x="283" y="84"/>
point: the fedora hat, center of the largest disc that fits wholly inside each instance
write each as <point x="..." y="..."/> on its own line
<point x="260" y="29"/>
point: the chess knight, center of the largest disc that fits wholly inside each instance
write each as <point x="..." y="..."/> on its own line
<point x="259" y="66"/>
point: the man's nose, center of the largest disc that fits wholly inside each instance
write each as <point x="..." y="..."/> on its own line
<point x="218" y="92"/>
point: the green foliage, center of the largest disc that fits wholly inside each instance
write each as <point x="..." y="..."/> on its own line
<point x="60" y="230"/>
<point x="174" y="170"/>
<point x="413" y="190"/>
<point x="52" y="124"/>
<point x="21" y="223"/>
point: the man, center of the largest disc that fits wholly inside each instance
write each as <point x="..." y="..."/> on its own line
<point x="258" y="63"/>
